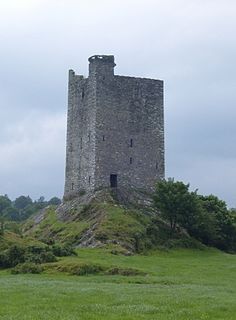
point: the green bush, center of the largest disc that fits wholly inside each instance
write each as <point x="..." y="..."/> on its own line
<point x="43" y="257"/>
<point x="39" y="254"/>
<point x="188" y="243"/>
<point x="27" y="267"/>
<point x="80" y="269"/>
<point x="16" y="254"/>
<point x="36" y="249"/>
<point x="47" y="256"/>
<point x="4" y="262"/>
<point x="102" y="236"/>
<point x="12" y="256"/>
<point x="86" y="269"/>
<point x="63" y="250"/>
<point x="124" y="272"/>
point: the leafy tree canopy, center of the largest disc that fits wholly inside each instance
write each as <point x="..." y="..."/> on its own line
<point x="22" y="202"/>
<point x="175" y="202"/>
<point x="206" y="218"/>
<point x="5" y="202"/>
<point x="54" y="201"/>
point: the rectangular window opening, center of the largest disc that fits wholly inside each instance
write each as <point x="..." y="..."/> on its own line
<point x="89" y="179"/>
<point x="72" y="186"/>
<point x="130" y="160"/>
<point x="131" y="143"/>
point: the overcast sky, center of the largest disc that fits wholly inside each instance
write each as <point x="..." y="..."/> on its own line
<point x="190" y="44"/>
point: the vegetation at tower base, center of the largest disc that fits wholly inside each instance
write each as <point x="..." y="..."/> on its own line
<point x="205" y="218"/>
<point x="128" y="221"/>
<point x="101" y="219"/>
<point x="109" y="255"/>
<point x="121" y="222"/>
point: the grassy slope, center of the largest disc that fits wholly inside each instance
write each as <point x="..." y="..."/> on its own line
<point x="112" y="223"/>
<point x="10" y="238"/>
<point x="181" y="284"/>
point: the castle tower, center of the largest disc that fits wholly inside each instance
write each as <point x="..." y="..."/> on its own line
<point x="115" y="130"/>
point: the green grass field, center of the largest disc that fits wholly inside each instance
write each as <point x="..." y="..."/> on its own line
<point x="180" y="284"/>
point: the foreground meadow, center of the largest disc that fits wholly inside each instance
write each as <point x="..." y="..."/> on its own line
<point x="180" y="284"/>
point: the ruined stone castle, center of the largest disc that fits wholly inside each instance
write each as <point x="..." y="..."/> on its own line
<point x="115" y="130"/>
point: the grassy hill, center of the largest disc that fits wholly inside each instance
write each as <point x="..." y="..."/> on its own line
<point x="91" y="221"/>
<point x="122" y="222"/>
<point x="124" y="267"/>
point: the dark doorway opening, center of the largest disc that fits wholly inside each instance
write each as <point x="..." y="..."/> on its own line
<point x="113" y="180"/>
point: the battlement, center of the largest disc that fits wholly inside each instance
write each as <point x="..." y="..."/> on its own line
<point x="102" y="59"/>
<point x="101" y="64"/>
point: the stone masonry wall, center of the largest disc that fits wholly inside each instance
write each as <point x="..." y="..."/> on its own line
<point x="115" y="126"/>
<point x="130" y="132"/>
<point x="73" y="132"/>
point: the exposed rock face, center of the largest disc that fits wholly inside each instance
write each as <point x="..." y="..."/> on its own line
<point x="107" y="217"/>
<point x="115" y="130"/>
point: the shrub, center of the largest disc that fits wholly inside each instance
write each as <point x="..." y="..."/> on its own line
<point x="27" y="267"/>
<point x="86" y="269"/>
<point x="102" y="236"/>
<point x="63" y="251"/>
<point x="43" y="257"/>
<point x="80" y="269"/>
<point x="12" y="256"/>
<point x="124" y="272"/>
<point x="47" y="256"/>
<point x="4" y="262"/>
<point x="15" y="255"/>
<point x="189" y="243"/>
<point x="36" y="249"/>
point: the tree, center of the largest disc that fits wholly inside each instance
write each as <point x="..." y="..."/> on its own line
<point x="5" y="202"/>
<point x="2" y="220"/>
<point x="40" y="203"/>
<point x="176" y="203"/>
<point x="217" y="224"/>
<point x="22" y="202"/>
<point x="54" y="201"/>
<point x="11" y="213"/>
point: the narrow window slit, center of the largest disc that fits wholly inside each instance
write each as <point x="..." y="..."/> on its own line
<point x="130" y="160"/>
